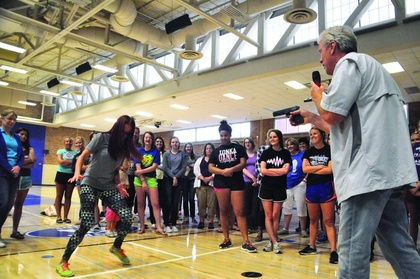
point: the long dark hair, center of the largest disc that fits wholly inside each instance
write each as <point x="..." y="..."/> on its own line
<point x="120" y="142"/>
<point x="26" y="144"/>
<point x="162" y="150"/>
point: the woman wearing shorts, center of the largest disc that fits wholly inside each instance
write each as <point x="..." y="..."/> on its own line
<point x="320" y="191"/>
<point x="145" y="180"/>
<point x="62" y="185"/>
<point x="25" y="181"/>
<point x="226" y="163"/>
<point x="275" y="163"/>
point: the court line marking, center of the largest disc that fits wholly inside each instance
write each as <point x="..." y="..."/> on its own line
<point x="155" y="263"/>
<point x="156" y="250"/>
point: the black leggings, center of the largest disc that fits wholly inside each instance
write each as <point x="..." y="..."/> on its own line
<point x="88" y="198"/>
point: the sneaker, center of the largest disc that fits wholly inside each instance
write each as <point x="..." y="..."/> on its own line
<point x="322" y="238"/>
<point x="154" y="226"/>
<point x="298" y="229"/>
<point x="120" y="254"/>
<point x="168" y="229"/>
<point x="2" y="243"/>
<point x="226" y="244"/>
<point x="194" y="221"/>
<point x="174" y="229"/>
<point x="334" y="257"/>
<point x="200" y="225"/>
<point x="63" y="270"/>
<point x="211" y="226"/>
<point x="114" y="232"/>
<point x="304" y="234"/>
<point x="109" y="233"/>
<point x="277" y="248"/>
<point x="283" y="231"/>
<point x="97" y="228"/>
<point x="308" y="250"/>
<point x="247" y="246"/>
<point x="268" y="247"/>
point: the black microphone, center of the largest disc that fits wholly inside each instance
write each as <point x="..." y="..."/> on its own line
<point x="316" y="78"/>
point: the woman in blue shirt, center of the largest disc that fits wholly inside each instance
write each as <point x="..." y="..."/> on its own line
<point x="11" y="161"/>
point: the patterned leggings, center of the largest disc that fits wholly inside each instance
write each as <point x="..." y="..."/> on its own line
<point x="111" y="198"/>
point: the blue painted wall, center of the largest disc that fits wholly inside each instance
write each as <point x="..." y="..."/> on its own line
<point x="37" y="134"/>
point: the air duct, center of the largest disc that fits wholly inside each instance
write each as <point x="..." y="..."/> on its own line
<point x="120" y="76"/>
<point x="190" y="53"/>
<point x="300" y="14"/>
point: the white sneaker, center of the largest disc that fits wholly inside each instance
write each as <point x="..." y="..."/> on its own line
<point x="2" y="243"/>
<point x="168" y="229"/>
<point x="277" y="248"/>
<point x="97" y="228"/>
<point x="268" y="247"/>
<point x="114" y="232"/>
<point x="174" y="229"/>
<point x="109" y="233"/>
<point x="153" y="226"/>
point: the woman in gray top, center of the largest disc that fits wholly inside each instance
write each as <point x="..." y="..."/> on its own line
<point x="174" y="165"/>
<point x="101" y="181"/>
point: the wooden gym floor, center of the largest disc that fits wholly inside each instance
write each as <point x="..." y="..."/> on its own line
<point x="189" y="253"/>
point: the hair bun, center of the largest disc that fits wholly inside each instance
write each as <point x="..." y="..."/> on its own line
<point x="224" y="126"/>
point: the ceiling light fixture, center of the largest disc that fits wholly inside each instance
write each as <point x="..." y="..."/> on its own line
<point x="150" y="127"/>
<point x="27" y="103"/>
<point x="178" y="106"/>
<point x="105" y="68"/>
<point x="49" y="93"/>
<point x="72" y="83"/>
<point x="233" y="96"/>
<point x="184" y="121"/>
<point x="12" y="48"/>
<point x="218" y="116"/>
<point x="87" y="125"/>
<point x="3" y="83"/>
<point x="393" y="67"/>
<point x="11" y="69"/>
<point x="295" y="85"/>
<point x="144" y="113"/>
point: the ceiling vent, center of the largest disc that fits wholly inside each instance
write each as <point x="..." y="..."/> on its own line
<point x="77" y="91"/>
<point x="300" y="14"/>
<point x="120" y="75"/>
<point x="190" y="53"/>
<point x="235" y="14"/>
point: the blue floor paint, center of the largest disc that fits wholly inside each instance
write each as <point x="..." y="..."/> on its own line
<point x="32" y="200"/>
<point x="65" y="231"/>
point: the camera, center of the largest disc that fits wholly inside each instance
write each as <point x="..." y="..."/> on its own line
<point x="297" y="118"/>
<point x="157" y="124"/>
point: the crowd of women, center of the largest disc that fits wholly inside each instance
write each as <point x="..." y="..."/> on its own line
<point x="244" y="188"/>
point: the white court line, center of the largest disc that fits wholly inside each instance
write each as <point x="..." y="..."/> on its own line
<point x="153" y="249"/>
<point x="180" y="258"/>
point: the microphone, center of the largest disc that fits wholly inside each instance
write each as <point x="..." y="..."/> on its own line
<point x="316" y="78"/>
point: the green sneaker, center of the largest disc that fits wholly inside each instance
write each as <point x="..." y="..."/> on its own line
<point x="63" y="270"/>
<point x="120" y="254"/>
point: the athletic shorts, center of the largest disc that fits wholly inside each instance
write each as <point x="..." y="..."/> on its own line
<point x="228" y="183"/>
<point x="320" y="193"/>
<point x="272" y="192"/>
<point x="25" y="182"/>
<point x="63" y="178"/>
<point x="150" y="181"/>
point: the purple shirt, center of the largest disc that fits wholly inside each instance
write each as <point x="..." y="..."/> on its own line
<point x="250" y="166"/>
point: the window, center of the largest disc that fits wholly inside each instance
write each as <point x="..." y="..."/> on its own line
<point x="239" y="131"/>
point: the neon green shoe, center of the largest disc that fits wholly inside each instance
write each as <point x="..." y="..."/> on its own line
<point x="63" y="270"/>
<point x="120" y="254"/>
